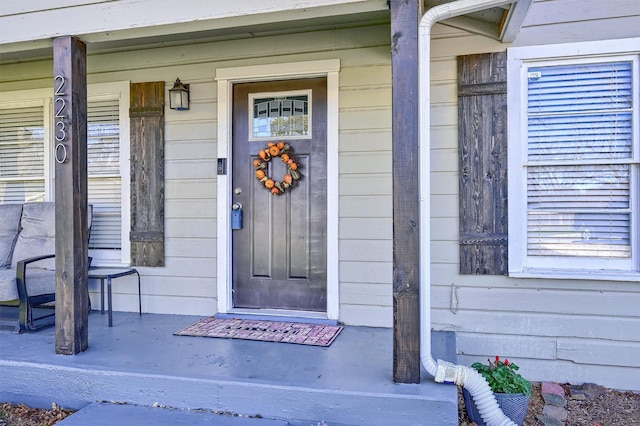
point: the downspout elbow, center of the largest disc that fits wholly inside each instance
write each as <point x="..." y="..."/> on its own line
<point x="429" y="18"/>
<point x="442" y="371"/>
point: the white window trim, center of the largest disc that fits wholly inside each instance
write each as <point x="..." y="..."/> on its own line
<point x="226" y="78"/>
<point x="37" y="97"/>
<point x="121" y="90"/>
<point x="284" y="93"/>
<point x="519" y="59"/>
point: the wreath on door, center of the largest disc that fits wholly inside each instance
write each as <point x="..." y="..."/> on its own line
<point x="285" y="153"/>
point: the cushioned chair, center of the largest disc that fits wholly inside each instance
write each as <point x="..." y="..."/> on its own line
<point x="10" y="215"/>
<point x="29" y="279"/>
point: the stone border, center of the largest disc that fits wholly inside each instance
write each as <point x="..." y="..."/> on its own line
<point x="554" y="412"/>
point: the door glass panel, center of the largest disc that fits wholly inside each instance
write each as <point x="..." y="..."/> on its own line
<point x="282" y="115"/>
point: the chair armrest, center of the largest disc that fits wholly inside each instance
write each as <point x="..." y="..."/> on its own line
<point x="21" y="272"/>
<point x="24" y="262"/>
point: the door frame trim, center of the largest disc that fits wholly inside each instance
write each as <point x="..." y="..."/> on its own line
<point x="226" y="78"/>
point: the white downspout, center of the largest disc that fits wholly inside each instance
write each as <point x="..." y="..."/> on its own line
<point x="443" y="372"/>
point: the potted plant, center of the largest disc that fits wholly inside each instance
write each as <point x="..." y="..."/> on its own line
<point x="511" y="390"/>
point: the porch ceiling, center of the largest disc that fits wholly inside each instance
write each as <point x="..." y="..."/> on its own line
<point x="500" y="23"/>
<point x="195" y="32"/>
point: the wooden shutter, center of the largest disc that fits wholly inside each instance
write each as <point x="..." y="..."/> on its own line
<point x="482" y="139"/>
<point x="147" y="173"/>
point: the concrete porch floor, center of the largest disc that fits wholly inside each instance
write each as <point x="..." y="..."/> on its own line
<point x="140" y="362"/>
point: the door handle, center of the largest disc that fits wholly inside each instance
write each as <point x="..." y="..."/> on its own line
<point x="236" y="216"/>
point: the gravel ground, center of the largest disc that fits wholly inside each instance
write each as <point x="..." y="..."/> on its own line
<point x="22" y="415"/>
<point x="587" y="405"/>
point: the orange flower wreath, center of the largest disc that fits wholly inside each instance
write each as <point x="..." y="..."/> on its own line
<point x="285" y="152"/>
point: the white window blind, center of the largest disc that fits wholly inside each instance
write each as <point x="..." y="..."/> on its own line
<point x="580" y="168"/>
<point x="22" y="155"/>
<point x="103" y="168"/>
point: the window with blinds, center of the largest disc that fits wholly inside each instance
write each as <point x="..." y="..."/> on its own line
<point x="103" y="169"/>
<point x="22" y="147"/>
<point x="581" y="170"/>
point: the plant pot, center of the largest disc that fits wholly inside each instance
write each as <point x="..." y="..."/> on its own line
<point x="513" y="405"/>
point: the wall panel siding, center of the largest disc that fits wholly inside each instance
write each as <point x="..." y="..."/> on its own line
<point x="554" y="329"/>
<point x="565" y="21"/>
<point x="365" y="206"/>
<point x="367" y="315"/>
<point x="375" y="228"/>
<point x="364" y="140"/>
<point x="187" y="285"/>
<point x="563" y="330"/>
<point x="367" y="273"/>
<point x="365" y="184"/>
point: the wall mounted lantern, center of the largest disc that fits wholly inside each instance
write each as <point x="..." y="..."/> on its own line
<point x="179" y="96"/>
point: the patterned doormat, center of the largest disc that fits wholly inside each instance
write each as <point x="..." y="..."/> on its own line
<point x="266" y="331"/>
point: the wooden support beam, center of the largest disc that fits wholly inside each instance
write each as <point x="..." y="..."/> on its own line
<point x="72" y="239"/>
<point x="405" y="17"/>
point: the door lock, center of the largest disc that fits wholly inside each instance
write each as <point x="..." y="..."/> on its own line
<point x="236" y="216"/>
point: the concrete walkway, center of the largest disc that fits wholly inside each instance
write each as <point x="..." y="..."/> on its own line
<point x="139" y="362"/>
<point x="107" y="414"/>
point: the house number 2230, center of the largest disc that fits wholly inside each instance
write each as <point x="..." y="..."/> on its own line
<point x="60" y="106"/>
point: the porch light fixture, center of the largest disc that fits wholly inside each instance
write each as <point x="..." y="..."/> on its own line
<point x="179" y="96"/>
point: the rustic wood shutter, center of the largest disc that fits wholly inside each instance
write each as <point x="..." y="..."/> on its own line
<point x="147" y="173"/>
<point x="482" y="139"/>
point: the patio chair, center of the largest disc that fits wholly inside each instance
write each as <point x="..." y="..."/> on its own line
<point x="29" y="280"/>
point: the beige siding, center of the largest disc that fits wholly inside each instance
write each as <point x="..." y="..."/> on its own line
<point x="187" y="285"/>
<point x="566" y="21"/>
<point x="564" y="330"/>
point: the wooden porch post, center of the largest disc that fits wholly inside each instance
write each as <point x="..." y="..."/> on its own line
<point x="405" y="17"/>
<point x="70" y="127"/>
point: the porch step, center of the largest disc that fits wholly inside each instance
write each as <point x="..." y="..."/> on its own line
<point x="140" y="363"/>
<point x="108" y="414"/>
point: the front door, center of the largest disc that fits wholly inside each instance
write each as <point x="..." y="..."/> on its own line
<point x="280" y="252"/>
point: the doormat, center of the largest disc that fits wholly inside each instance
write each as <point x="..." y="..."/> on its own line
<point x="266" y="331"/>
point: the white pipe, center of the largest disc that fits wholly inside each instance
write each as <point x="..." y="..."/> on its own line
<point x="443" y="371"/>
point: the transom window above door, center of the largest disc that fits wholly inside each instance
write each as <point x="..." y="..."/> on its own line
<point x="281" y="115"/>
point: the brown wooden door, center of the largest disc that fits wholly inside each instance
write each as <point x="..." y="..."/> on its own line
<point x="279" y="256"/>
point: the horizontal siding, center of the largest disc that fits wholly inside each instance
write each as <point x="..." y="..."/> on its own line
<point x="368" y="272"/>
<point x="189" y="188"/>
<point x="534" y="326"/>
<point x="554" y="329"/>
<point x="374" y="228"/>
<point x="370" y="316"/>
<point x="365" y="250"/>
<point x="553" y="12"/>
<point x="365" y="140"/>
<point x="568" y="372"/>
<point x="566" y="21"/>
<point x="187" y="285"/>
<point x="562" y="330"/>
<point x="610" y="29"/>
<point x="369" y="184"/>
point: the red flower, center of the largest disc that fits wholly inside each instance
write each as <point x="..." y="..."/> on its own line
<point x="506" y="362"/>
<point x="497" y="358"/>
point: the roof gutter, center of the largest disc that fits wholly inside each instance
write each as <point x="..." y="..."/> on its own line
<point x="443" y="372"/>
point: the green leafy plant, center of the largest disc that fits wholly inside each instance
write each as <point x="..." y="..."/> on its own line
<point x="503" y="376"/>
